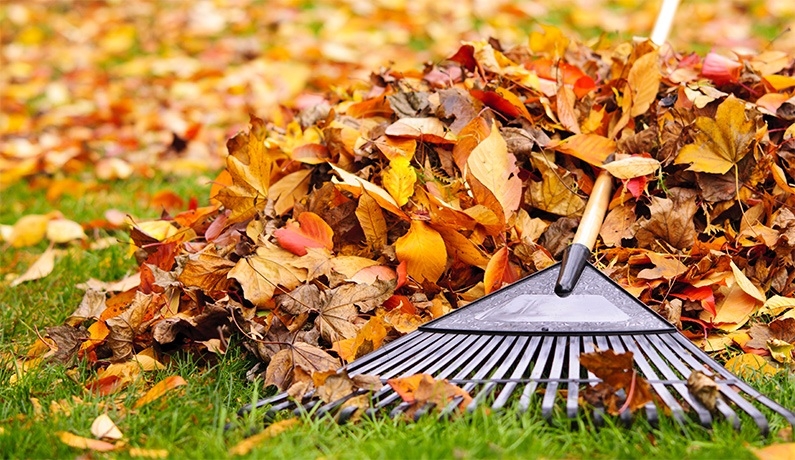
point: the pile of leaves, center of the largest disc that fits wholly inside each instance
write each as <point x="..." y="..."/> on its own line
<point x="391" y="203"/>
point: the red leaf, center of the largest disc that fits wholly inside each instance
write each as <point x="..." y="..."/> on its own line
<point x="466" y="57"/>
<point x="499" y="271"/>
<point x="636" y="185"/>
<point x="703" y="294"/>
<point x="311" y="231"/>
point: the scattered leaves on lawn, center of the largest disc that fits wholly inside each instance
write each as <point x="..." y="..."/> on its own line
<point x="80" y="442"/>
<point x="618" y="373"/>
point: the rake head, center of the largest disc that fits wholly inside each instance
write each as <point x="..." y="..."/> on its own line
<point x="521" y="347"/>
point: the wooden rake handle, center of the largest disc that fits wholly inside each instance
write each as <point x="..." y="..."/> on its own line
<point x="577" y="254"/>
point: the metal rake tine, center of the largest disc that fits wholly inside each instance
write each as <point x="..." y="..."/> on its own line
<point x="755" y="395"/>
<point x="705" y="418"/>
<point x="514" y="352"/>
<point x="672" y="356"/>
<point x="521" y="367"/>
<point x="573" y="387"/>
<point x="537" y="372"/>
<point x="548" y="401"/>
<point x="499" y="343"/>
<point x="399" y="345"/>
<point x="424" y="344"/>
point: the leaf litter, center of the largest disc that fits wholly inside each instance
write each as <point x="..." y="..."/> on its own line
<point x="434" y="176"/>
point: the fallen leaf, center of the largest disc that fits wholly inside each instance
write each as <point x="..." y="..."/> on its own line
<point x="722" y="142"/>
<point x="784" y="451"/>
<point x="160" y="389"/>
<point x="631" y="167"/>
<point x="245" y="446"/>
<point x="644" y="81"/>
<point x="311" y="231"/>
<point x="704" y="389"/>
<point x="372" y="221"/>
<point x="42" y="267"/>
<point x="399" y="180"/>
<point x="495" y="168"/>
<point x="80" y="442"/>
<point x="499" y="271"/>
<point x="617" y="373"/>
<point x="422" y="389"/>
<point x="750" y="366"/>
<point x="64" y="230"/>
<point x="261" y="274"/>
<point x="590" y="148"/>
<point x="147" y="453"/>
<point x="423" y="250"/>
<point x="103" y="427"/>
<point x="671" y="221"/>
<point x="28" y="230"/>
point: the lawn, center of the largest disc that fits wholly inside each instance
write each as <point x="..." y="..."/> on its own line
<point x="117" y="115"/>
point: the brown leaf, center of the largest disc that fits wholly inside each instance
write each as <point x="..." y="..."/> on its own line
<point x="371" y="219"/>
<point x="68" y="341"/>
<point x="617" y="373"/>
<point x="261" y="274"/>
<point x="704" y="389"/>
<point x="671" y="221"/>
<point x="302" y="355"/>
<point x="619" y="224"/>
<point x="206" y="270"/>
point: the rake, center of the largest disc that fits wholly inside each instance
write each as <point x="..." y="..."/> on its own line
<point x="524" y="343"/>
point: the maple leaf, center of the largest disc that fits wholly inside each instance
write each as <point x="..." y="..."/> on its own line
<point x="722" y="142"/>
<point x="339" y="307"/>
<point x="250" y="165"/>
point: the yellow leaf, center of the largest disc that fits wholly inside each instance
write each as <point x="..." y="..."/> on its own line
<point x="747" y="286"/>
<point x="779" y="82"/>
<point x="28" y="230"/>
<point x="784" y="451"/>
<point x="590" y="148"/>
<point x="39" y="269"/>
<point x="372" y="221"/>
<point x="644" y="81"/>
<point x="157" y="391"/>
<point x="748" y="366"/>
<point x="259" y="275"/>
<point x="721" y="143"/>
<point x="780" y="350"/>
<point x="423" y="250"/>
<point x="631" y="167"/>
<point x="552" y="41"/>
<point x="288" y="189"/>
<point x="777" y="305"/>
<point x="80" y="442"/>
<point x="247" y="445"/>
<point x="555" y="192"/>
<point x="495" y="168"/>
<point x="147" y="453"/>
<point x="64" y="230"/>
<point x="399" y="180"/>
<point x="355" y="185"/>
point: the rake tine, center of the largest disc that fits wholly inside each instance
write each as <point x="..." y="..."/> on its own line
<point x="399" y="345"/>
<point x="513" y="353"/>
<point x="705" y="418"/>
<point x="423" y="345"/>
<point x="424" y="410"/>
<point x="755" y="395"/>
<point x="668" y="399"/>
<point x="329" y="407"/>
<point x="538" y="371"/>
<point x="672" y="355"/>
<point x="501" y="343"/>
<point x="518" y="372"/>
<point x="625" y="415"/>
<point x="450" y="407"/>
<point x="573" y="387"/>
<point x="548" y="401"/>
<point x="598" y="412"/>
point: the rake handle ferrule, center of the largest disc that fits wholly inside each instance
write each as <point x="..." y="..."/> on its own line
<point x="584" y="240"/>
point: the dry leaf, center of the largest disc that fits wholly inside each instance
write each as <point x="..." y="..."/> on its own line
<point x="372" y="221"/>
<point x="160" y="389"/>
<point x="785" y="451"/>
<point x="495" y="169"/>
<point x="423" y="250"/>
<point x="749" y="366"/>
<point x="42" y="267"/>
<point x="147" y="453"/>
<point x="311" y="231"/>
<point x="80" y="442"/>
<point x="103" y="427"/>
<point x="245" y="446"/>
<point x="704" y="389"/>
<point x="722" y="142"/>
<point x="399" y="180"/>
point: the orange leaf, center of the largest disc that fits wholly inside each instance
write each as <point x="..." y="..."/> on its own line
<point x="644" y="81"/>
<point x="499" y="271"/>
<point x="80" y="442"/>
<point x="157" y="391"/>
<point x="776" y="452"/>
<point x="591" y="148"/>
<point x="423" y="250"/>
<point x="703" y="294"/>
<point x="311" y="231"/>
<point x="495" y="168"/>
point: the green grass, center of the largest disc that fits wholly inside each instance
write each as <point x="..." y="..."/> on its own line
<point x="189" y="423"/>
